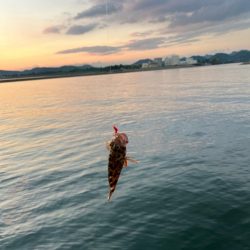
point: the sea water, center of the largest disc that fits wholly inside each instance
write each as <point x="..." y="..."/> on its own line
<point x="188" y="128"/>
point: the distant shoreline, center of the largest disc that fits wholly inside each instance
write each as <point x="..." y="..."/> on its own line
<point x="245" y="63"/>
<point x="40" y="73"/>
<point x="68" y="75"/>
<point x="43" y="77"/>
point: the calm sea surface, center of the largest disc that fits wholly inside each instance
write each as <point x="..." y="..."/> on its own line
<point x="190" y="130"/>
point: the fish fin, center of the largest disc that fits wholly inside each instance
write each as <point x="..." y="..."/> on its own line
<point x="108" y="145"/>
<point x="109" y="197"/>
<point x="125" y="163"/>
<point x="132" y="160"/>
<point x="111" y="190"/>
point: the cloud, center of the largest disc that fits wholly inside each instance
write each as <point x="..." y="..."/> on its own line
<point x="142" y="34"/>
<point x="201" y="29"/>
<point x="186" y="36"/>
<point x="172" y="13"/>
<point x="176" y="13"/>
<point x="142" y="44"/>
<point x="213" y="13"/>
<point x="81" y="29"/>
<point x="183" y="12"/>
<point x="95" y="50"/>
<point x="99" y="10"/>
<point x="173" y="21"/>
<point x="53" y="29"/>
<point x="145" y="44"/>
<point x="186" y="21"/>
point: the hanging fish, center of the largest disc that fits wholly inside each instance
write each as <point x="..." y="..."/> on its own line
<point x="117" y="158"/>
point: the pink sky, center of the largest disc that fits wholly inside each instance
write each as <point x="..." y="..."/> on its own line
<point x="62" y="32"/>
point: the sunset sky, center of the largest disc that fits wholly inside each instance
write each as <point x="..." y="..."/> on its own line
<point x="101" y="32"/>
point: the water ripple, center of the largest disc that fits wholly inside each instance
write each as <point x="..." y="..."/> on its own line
<point x="189" y="128"/>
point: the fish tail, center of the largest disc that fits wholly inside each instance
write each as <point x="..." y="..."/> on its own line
<point x="110" y="194"/>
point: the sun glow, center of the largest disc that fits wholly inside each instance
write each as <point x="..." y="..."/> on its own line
<point x="25" y="44"/>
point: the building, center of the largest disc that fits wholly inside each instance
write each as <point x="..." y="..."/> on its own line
<point x="158" y="61"/>
<point x="190" y="61"/>
<point x="187" y="61"/>
<point x="150" y="65"/>
<point x="173" y="60"/>
<point x="144" y="65"/>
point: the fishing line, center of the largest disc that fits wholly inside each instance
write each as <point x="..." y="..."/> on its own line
<point x="106" y="20"/>
<point x="107" y="30"/>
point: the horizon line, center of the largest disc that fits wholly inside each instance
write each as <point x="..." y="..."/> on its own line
<point x="108" y="65"/>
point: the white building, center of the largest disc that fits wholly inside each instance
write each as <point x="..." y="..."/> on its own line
<point x="149" y="65"/>
<point x="173" y="60"/>
<point x="144" y="65"/>
<point x="190" y="61"/>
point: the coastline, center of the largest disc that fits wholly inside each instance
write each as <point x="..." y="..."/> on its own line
<point x="43" y="77"/>
<point x="245" y="63"/>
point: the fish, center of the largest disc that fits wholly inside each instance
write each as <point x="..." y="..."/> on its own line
<point x="117" y="159"/>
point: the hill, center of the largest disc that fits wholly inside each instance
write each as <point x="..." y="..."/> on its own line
<point x="41" y="71"/>
<point x="140" y="62"/>
<point x="221" y="58"/>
